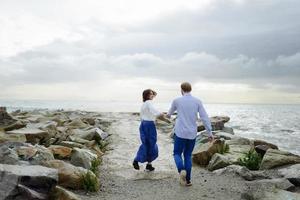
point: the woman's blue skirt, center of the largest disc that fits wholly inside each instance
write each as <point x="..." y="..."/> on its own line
<point x="148" y="150"/>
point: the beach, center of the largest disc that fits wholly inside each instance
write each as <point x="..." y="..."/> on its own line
<point x="116" y="176"/>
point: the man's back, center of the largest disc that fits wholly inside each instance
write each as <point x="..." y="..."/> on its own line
<point x="187" y="108"/>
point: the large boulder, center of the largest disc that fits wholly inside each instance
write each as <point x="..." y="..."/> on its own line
<point x="90" y="134"/>
<point x="204" y="152"/>
<point x="33" y="135"/>
<point x="275" y="158"/>
<point x="76" y="123"/>
<point x="242" y="172"/>
<point x="8" y="155"/>
<point x="270" y="194"/>
<point x="60" y="152"/>
<point x="11" y="137"/>
<point x="82" y="157"/>
<point x="257" y="142"/>
<point x="217" y="123"/>
<point x="231" y="158"/>
<point x="34" y="154"/>
<point x="27" y="182"/>
<point x="7" y="122"/>
<point x="71" y="144"/>
<point x="61" y="193"/>
<point x="69" y="176"/>
<point x="292" y="173"/>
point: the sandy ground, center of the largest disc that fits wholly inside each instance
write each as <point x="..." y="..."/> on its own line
<point x="120" y="181"/>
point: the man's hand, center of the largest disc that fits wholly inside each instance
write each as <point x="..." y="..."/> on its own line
<point x="211" y="138"/>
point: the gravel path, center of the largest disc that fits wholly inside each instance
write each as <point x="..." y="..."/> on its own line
<point x="120" y="181"/>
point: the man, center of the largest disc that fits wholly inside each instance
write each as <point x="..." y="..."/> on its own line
<point x="187" y="108"/>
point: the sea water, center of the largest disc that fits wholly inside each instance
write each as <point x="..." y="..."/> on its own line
<point x="278" y="124"/>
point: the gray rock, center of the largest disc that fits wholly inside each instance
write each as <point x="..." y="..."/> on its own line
<point x="225" y="135"/>
<point x="70" y="176"/>
<point x="271" y="194"/>
<point x="82" y="157"/>
<point x="235" y="153"/>
<point x="29" y="182"/>
<point x="61" y="193"/>
<point x="279" y="183"/>
<point x="292" y="173"/>
<point x="275" y="158"/>
<point x="217" y="123"/>
<point x="228" y="130"/>
<point x="8" y="155"/>
<point x="33" y="135"/>
<point x="71" y="144"/>
<point x="242" y="172"/>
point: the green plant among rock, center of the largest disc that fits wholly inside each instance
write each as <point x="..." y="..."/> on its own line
<point x="90" y="182"/>
<point x="251" y="160"/>
<point x="223" y="149"/>
<point x="95" y="163"/>
<point x="103" y="145"/>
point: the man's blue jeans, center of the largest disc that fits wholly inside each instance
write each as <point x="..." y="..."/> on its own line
<point x="185" y="147"/>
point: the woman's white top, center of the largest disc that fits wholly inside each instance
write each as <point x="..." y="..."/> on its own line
<point x="148" y="112"/>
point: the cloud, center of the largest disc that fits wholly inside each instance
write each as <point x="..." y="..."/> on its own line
<point x="66" y="62"/>
<point x="231" y="42"/>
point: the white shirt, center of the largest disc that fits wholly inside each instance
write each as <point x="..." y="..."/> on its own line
<point x="148" y="112"/>
<point x="187" y="108"/>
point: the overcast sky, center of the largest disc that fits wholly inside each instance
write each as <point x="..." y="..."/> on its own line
<point x="232" y="51"/>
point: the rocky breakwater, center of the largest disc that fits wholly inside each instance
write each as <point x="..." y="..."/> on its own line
<point x="43" y="153"/>
<point x="271" y="173"/>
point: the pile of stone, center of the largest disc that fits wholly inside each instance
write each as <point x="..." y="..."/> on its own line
<point x="43" y="152"/>
<point x="278" y="169"/>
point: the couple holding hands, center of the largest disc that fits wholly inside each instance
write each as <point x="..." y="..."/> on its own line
<point x="187" y="108"/>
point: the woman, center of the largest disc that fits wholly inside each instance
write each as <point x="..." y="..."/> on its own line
<point x="148" y="150"/>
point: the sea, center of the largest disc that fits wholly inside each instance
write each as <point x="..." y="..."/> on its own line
<point x="278" y="124"/>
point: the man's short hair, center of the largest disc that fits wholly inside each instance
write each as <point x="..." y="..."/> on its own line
<point x="186" y="87"/>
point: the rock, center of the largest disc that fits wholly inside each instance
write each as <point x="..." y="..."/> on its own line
<point x="26" y="153"/>
<point x="61" y="193"/>
<point x="60" y="152"/>
<point x="292" y="173"/>
<point x="232" y="157"/>
<point x="217" y="123"/>
<point x="242" y="172"/>
<point x="261" y="149"/>
<point x="34" y="154"/>
<point x="238" y="141"/>
<point x="8" y="155"/>
<point x="71" y="144"/>
<point x="11" y="137"/>
<point x="26" y="182"/>
<point x="89" y="120"/>
<point x="280" y="195"/>
<point x="279" y="183"/>
<point x="91" y="134"/>
<point x="14" y="125"/>
<point x="275" y="158"/>
<point x="103" y="135"/>
<point x="33" y="136"/>
<point x="261" y="142"/>
<point x="48" y="126"/>
<point x="273" y="194"/>
<point x="78" y="140"/>
<point x="77" y="123"/>
<point x="69" y="176"/>
<point x="225" y="135"/>
<point x="82" y="158"/>
<point x="228" y="130"/>
<point x="203" y="154"/>
<point x="219" y="161"/>
<point x="7" y="122"/>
